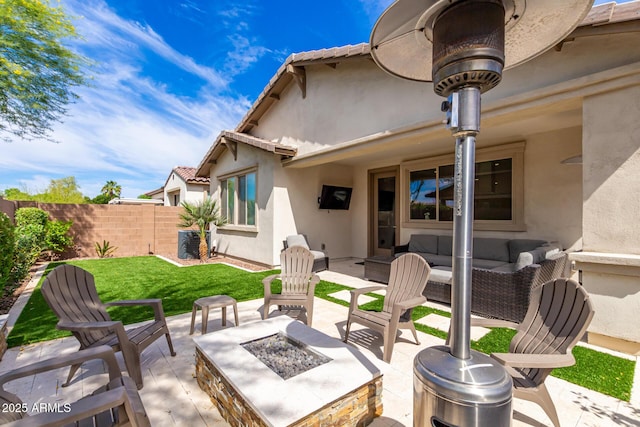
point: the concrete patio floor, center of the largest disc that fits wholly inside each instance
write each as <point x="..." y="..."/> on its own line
<point x="172" y="396"/>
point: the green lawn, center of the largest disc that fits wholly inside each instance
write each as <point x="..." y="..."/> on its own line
<point x="151" y="277"/>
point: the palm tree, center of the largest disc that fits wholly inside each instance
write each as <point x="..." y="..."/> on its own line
<point x="111" y="190"/>
<point x="201" y="214"/>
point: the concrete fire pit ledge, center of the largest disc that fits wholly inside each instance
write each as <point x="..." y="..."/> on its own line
<point x="345" y="391"/>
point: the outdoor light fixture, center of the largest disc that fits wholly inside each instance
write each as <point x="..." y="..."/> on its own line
<point x="463" y="46"/>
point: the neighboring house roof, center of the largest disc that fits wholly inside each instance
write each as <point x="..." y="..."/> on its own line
<point x="188" y="175"/>
<point x="158" y="191"/>
<point x="229" y="140"/>
<point x="131" y="201"/>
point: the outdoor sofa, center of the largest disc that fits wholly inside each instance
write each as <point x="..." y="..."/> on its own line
<point x="321" y="260"/>
<point x="504" y="271"/>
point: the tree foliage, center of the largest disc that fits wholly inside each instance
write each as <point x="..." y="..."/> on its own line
<point x="37" y="71"/>
<point x="63" y="190"/>
<point x="111" y="190"/>
<point x="17" y="194"/>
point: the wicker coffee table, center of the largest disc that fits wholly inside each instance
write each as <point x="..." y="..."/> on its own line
<point x="377" y="268"/>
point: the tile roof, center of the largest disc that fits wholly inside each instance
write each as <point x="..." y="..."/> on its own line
<point x="608" y="13"/>
<point x="227" y="138"/>
<point x="188" y="174"/>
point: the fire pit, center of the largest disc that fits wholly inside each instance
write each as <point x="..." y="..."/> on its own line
<point x="284" y="355"/>
<point x="311" y="379"/>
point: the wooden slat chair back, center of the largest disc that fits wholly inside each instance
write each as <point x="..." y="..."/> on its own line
<point x="406" y="280"/>
<point x="296" y="266"/>
<point x="71" y="294"/>
<point x="408" y="277"/>
<point x="115" y="404"/>
<point x="558" y="316"/>
<point x="298" y="282"/>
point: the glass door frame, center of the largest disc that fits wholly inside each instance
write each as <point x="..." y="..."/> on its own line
<point x="374" y="175"/>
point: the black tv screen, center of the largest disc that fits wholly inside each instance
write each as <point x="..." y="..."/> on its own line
<point x="333" y="197"/>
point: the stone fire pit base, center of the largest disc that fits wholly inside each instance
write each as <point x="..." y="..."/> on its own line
<point x="346" y="390"/>
<point x="354" y="409"/>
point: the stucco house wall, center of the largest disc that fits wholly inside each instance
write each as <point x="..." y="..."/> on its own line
<point x="349" y="119"/>
<point x="248" y="242"/>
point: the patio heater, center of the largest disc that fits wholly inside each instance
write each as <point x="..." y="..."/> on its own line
<point x="462" y="46"/>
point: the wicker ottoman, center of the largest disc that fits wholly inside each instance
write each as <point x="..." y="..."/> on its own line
<point x="377" y="268"/>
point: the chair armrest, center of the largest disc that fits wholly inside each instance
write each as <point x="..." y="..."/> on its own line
<point x="355" y="293"/>
<point x="315" y="279"/>
<point x="103" y="352"/>
<point x="266" y="282"/>
<point x="86" y="326"/>
<point x="360" y="291"/>
<point x="155" y="303"/>
<point x="493" y="323"/>
<point x="520" y="360"/>
<point x="70" y="414"/>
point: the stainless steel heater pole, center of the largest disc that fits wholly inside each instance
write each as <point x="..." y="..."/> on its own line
<point x="464" y="124"/>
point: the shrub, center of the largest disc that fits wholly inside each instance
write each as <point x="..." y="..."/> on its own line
<point x="33" y="234"/>
<point x="30" y="233"/>
<point x="57" y="238"/>
<point x="28" y="246"/>
<point x="26" y="216"/>
<point x="7" y="249"/>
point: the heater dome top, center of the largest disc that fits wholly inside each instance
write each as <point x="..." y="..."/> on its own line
<point x="402" y="38"/>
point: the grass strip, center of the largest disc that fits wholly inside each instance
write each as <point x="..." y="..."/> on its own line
<point x="151" y="277"/>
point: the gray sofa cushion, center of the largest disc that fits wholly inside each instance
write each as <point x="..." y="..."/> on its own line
<point x="297" y="240"/>
<point x="537" y="255"/>
<point x="491" y="249"/>
<point x="423" y="243"/>
<point x="441" y="275"/>
<point x="318" y="255"/>
<point x="534" y="256"/>
<point x="517" y="246"/>
<point x="445" y="245"/>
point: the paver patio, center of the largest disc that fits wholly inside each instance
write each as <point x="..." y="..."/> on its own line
<point x="172" y="396"/>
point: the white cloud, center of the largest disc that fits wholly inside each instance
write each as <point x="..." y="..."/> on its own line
<point x="121" y="35"/>
<point x="127" y="126"/>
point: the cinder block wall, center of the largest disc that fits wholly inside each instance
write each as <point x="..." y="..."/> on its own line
<point x="133" y="229"/>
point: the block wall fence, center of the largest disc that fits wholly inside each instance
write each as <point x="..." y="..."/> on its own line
<point x="133" y="229"/>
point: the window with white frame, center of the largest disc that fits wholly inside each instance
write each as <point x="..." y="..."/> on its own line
<point x="238" y="198"/>
<point x="429" y="190"/>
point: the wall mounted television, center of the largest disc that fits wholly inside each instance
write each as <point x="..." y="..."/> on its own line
<point x="335" y="198"/>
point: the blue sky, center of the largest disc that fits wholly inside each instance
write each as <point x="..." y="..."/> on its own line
<point x="168" y="76"/>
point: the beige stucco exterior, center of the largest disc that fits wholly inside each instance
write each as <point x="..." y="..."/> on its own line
<point x="353" y="119"/>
